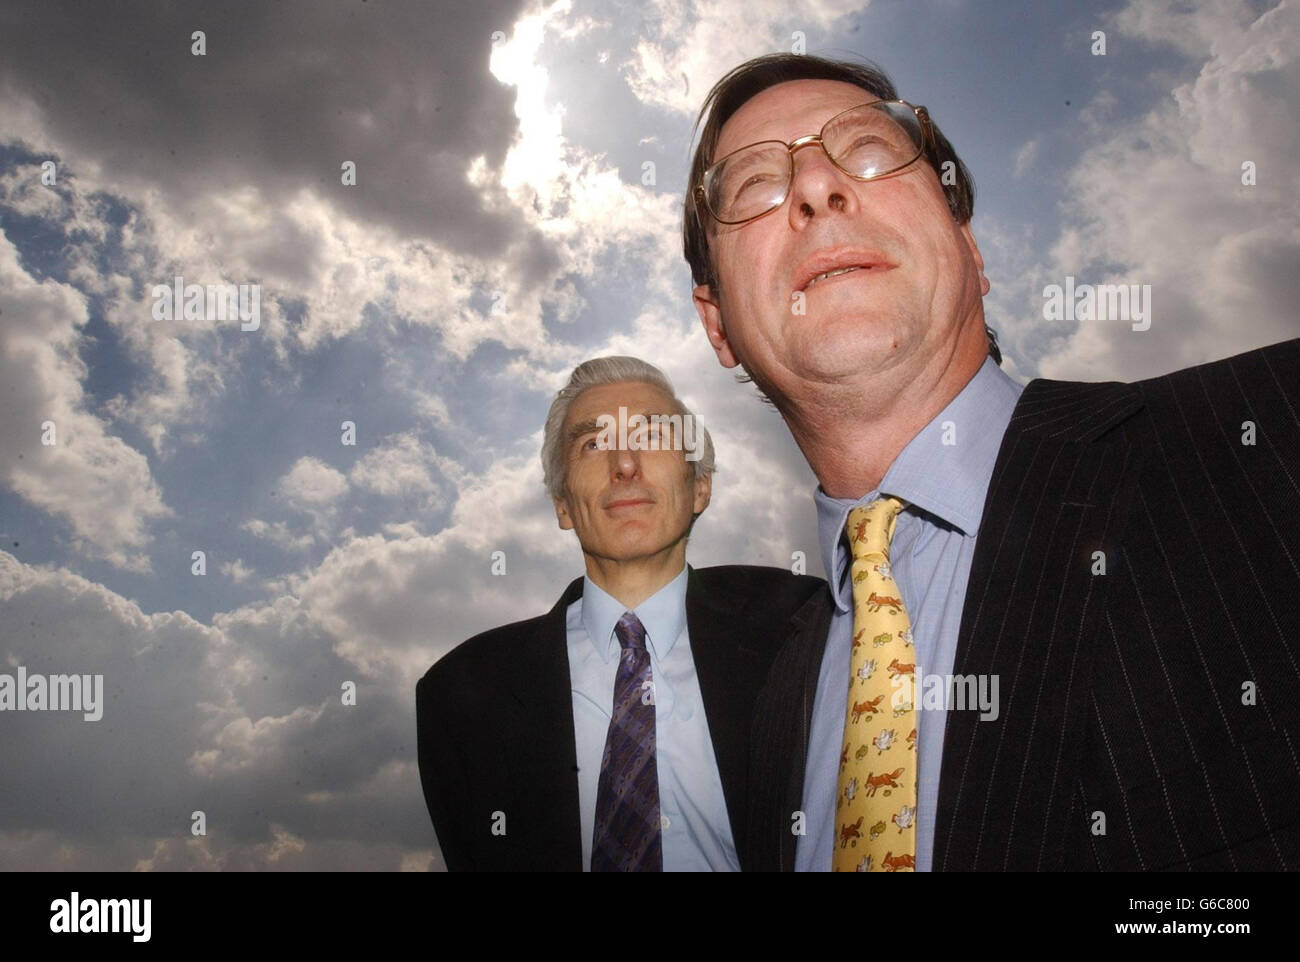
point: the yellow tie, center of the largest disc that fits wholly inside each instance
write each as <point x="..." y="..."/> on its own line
<point x="875" y="811"/>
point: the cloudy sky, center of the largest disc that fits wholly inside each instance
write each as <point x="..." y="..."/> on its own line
<point x="519" y="168"/>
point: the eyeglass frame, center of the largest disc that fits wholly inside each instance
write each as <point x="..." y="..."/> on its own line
<point x="927" y="144"/>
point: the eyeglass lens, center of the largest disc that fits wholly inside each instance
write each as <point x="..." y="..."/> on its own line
<point x="866" y="142"/>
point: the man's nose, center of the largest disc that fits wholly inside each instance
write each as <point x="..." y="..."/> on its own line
<point x="819" y="187"/>
<point x="624" y="463"/>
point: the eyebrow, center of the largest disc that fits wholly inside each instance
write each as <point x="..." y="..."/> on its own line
<point x="716" y="152"/>
<point x="748" y="160"/>
<point x="585" y="427"/>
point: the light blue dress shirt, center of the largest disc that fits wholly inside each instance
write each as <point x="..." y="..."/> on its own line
<point x="696" y="831"/>
<point x="942" y="476"/>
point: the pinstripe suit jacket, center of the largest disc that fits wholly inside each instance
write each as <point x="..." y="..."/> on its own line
<point x="1150" y="715"/>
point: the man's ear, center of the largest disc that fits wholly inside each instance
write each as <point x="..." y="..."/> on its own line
<point x="975" y="252"/>
<point x="703" y="492"/>
<point x="706" y="305"/>
<point x="562" y="515"/>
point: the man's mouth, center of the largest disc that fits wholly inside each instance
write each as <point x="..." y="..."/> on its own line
<point x="834" y="273"/>
<point x="627" y="503"/>
<point x="826" y="263"/>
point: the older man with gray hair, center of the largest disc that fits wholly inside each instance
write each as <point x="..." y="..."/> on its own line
<point x="612" y="733"/>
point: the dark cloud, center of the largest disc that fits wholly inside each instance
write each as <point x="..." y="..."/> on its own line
<point x="286" y="92"/>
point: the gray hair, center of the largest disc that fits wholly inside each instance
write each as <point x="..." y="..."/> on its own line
<point x="594" y="373"/>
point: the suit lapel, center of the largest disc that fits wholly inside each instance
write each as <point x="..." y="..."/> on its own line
<point x="544" y="779"/>
<point x="1060" y="492"/>
<point x="730" y="669"/>
<point x="727" y="645"/>
<point x="802" y="659"/>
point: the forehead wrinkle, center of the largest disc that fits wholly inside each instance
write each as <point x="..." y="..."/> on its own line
<point x="592" y="424"/>
<point x="822" y="98"/>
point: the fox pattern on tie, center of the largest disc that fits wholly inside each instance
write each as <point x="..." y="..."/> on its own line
<point x="875" y="810"/>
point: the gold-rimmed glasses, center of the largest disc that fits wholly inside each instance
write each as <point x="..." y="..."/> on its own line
<point x="866" y="142"/>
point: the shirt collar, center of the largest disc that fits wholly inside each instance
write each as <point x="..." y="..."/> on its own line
<point x="663" y="614"/>
<point x="947" y="481"/>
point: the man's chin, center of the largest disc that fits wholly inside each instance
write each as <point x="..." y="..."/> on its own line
<point x="635" y="545"/>
<point x="847" y="344"/>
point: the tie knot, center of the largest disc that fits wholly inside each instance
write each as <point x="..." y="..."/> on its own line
<point x="871" y="527"/>
<point x="630" y="631"/>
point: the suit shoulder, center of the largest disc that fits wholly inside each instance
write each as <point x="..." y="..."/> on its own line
<point x="484" y="652"/>
<point x="1253" y="385"/>
<point x="765" y="585"/>
<point x="1282" y="359"/>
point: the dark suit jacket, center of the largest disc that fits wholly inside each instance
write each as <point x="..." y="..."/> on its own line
<point x="495" y="718"/>
<point x="1125" y="693"/>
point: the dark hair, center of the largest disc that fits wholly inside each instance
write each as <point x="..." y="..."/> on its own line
<point x="754" y="76"/>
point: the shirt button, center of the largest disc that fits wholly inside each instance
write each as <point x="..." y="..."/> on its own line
<point x="665" y="821"/>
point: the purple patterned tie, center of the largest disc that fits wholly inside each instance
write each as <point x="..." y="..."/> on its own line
<point x="627" y="835"/>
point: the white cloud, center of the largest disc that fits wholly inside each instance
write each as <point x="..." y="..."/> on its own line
<point x="1191" y="28"/>
<point x="393" y="605"/>
<point x="1025" y="157"/>
<point x="278" y="534"/>
<point x="94" y="481"/>
<point x="236" y="571"/>
<point x="311" y="483"/>
<point x="402" y="464"/>
<point x="1162" y="200"/>
<point x="245" y="744"/>
<point x="243" y="719"/>
<point x="687" y="47"/>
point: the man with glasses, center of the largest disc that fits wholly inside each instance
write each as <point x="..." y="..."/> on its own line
<point x="1093" y="587"/>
